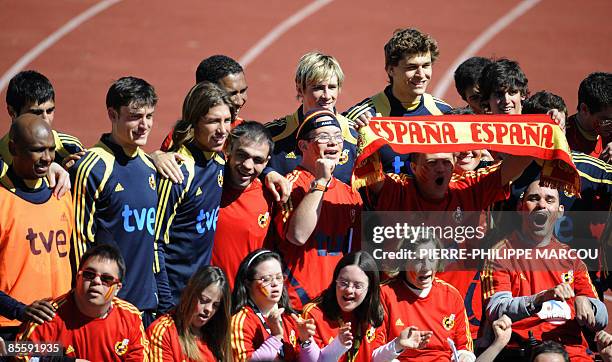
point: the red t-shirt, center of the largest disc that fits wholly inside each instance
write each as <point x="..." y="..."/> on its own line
<point x="244" y="219"/>
<point x="249" y="333"/>
<point x="310" y="267"/>
<point x="119" y="336"/>
<point x="441" y="312"/>
<point x="165" y="345"/>
<point x="327" y="329"/>
<point x="529" y="276"/>
<point x="472" y="191"/>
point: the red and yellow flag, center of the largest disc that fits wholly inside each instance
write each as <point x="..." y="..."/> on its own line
<point x="523" y="135"/>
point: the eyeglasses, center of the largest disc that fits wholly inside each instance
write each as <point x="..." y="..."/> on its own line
<point x="324" y="138"/>
<point x="268" y="279"/>
<point x="106" y="279"/>
<point x="345" y="284"/>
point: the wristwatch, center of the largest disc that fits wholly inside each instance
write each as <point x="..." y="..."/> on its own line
<point x="318" y="186"/>
<point x="306" y="343"/>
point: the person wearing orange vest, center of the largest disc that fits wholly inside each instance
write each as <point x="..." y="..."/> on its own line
<point x="35" y="226"/>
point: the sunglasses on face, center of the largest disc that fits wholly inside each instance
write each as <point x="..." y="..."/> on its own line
<point x="106" y="279"/>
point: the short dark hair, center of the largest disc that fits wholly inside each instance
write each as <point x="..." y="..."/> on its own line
<point x="502" y="74"/>
<point x="468" y="72"/>
<point x="550" y="347"/>
<point x="542" y="102"/>
<point x="127" y="91"/>
<point x="460" y="111"/>
<point x="252" y="131"/>
<point x="26" y="87"/>
<point x="216" y="67"/>
<point x="105" y="252"/>
<point x="596" y="91"/>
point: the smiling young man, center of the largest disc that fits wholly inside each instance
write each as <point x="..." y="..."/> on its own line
<point x="115" y="194"/>
<point x="318" y="81"/>
<point x="321" y="220"/>
<point x="35" y="227"/>
<point x="503" y="87"/>
<point x="31" y="92"/>
<point x="548" y="296"/>
<point x="246" y="208"/>
<point x="409" y="59"/>
<point x="90" y="322"/>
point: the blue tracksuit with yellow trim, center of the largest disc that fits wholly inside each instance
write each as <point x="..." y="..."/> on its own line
<point x="187" y="216"/>
<point x="115" y="201"/>
<point x="65" y="145"/>
<point x="384" y="104"/>
<point x="285" y="157"/>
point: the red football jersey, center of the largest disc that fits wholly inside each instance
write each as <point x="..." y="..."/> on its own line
<point x="244" y="219"/>
<point x="528" y="276"/>
<point x="249" y="333"/>
<point x="165" y="345"/>
<point x="441" y="311"/>
<point x="471" y="191"/>
<point x="311" y="266"/>
<point x="327" y="330"/>
<point x="119" y="336"/>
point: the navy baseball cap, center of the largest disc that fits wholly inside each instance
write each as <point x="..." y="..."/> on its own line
<point x="316" y="118"/>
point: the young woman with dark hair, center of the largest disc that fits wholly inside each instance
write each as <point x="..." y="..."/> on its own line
<point x="198" y="329"/>
<point x="262" y="325"/>
<point x="348" y="318"/>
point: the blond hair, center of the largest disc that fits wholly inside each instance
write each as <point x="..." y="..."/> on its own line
<point x="315" y="67"/>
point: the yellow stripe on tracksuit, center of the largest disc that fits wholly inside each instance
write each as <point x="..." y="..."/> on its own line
<point x="238" y="335"/>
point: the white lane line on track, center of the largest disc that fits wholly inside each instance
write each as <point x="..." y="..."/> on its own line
<point x="279" y="30"/>
<point x="72" y="24"/>
<point x="480" y="41"/>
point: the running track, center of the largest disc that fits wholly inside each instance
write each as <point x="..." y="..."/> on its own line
<point x="557" y="42"/>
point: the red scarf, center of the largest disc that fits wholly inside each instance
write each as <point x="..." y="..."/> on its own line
<point x="523" y="135"/>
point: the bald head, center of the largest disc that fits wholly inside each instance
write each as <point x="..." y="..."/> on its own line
<point x="32" y="145"/>
<point x="28" y="126"/>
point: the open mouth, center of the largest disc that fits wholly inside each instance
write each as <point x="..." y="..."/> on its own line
<point x="348" y="299"/>
<point x="439" y="180"/>
<point x="41" y="169"/>
<point x="139" y="134"/>
<point x="330" y="152"/>
<point x="424" y="278"/>
<point x="219" y="140"/>
<point x="540" y="218"/>
<point x="244" y="175"/>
